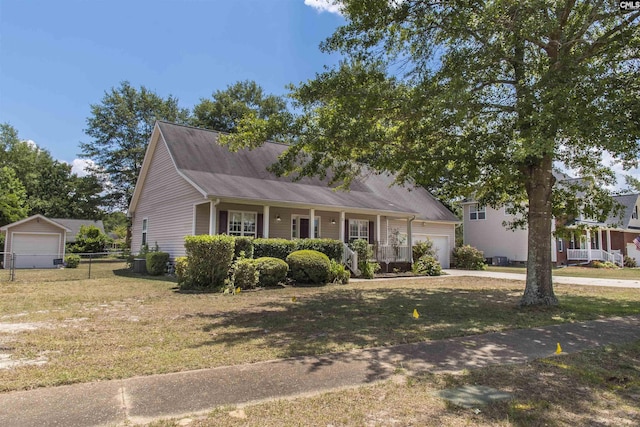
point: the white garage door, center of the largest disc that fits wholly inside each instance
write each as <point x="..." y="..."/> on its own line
<point x="440" y="244"/>
<point x="35" y="250"/>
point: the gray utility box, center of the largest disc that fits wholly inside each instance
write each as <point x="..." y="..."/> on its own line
<point x="140" y="265"/>
<point x="500" y="260"/>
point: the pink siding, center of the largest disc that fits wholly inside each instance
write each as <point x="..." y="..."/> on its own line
<point x="35" y="225"/>
<point x="167" y="201"/>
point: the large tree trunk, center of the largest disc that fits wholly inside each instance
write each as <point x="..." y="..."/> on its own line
<point x="539" y="287"/>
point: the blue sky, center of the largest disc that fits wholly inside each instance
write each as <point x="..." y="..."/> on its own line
<point x="59" y="56"/>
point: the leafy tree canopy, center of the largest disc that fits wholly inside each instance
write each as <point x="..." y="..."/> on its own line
<point x="49" y="186"/>
<point x="120" y="127"/>
<point x="12" y="197"/>
<point x="475" y="99"/>
<point x="90" y="240"/>
<point x="224" y="111"/>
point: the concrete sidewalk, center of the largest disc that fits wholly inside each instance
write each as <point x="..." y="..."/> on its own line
<point x="143" y="399"/>
<point x="619" y="283"/>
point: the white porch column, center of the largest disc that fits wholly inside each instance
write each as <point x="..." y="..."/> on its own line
<point x="312" y="221"/>
<point x="410" y="238"/>
<point x="213" y="216"/>
<point x="342" y="226"/>
<point x="588" y="245"/>
<point x="265" y="222"/>
<point x="608" y="240"/>
<point x="378" y="230"/>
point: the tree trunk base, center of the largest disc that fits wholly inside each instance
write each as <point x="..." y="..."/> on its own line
<point x="538" y="300"/>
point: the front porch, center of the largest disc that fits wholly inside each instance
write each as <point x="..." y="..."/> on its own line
<point x="594" y="245"/>
<point x="588" y="255"/>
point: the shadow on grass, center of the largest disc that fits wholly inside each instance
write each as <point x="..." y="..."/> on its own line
<point x="126" y="272"/>
<point x="345" y="319"/>
<point x="580" y="389"/>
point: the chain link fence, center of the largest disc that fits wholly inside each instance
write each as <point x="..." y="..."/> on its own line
<point x="28" y="268"/>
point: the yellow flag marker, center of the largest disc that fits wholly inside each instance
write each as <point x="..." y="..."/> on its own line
<point x="238" y="290"/>
<point x="415" y="313"/>
<point x="558" y="349"/>
<point x="293" y="299"/>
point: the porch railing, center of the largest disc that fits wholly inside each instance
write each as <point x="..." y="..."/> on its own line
<point x="387" y="253"/>
<point x="350" y="259"/>
<point x="594" y="254"/>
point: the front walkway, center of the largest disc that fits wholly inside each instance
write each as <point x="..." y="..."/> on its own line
<point x="143" y="399"/>
<point x="620" y="283"/>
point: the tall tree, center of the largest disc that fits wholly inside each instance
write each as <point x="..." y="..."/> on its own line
<point x="120" y="128"/>
<point x="227" y="107"/>
<point x="481" y="99"/>
<point x="13" y="204"/>
<point x="50" y="188"/>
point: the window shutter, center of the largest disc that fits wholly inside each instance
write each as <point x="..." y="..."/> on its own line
<point x="371" y="227"/>
<point x="260" y="225"/>
<point x="346" y="231"/>
<point x="222" y="222"/>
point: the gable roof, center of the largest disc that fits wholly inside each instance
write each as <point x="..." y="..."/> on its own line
<point x="32" y="217"/>
<point x="73" y="226"/>
<point x="628" y="202"/>
<point x="217" y="172"/>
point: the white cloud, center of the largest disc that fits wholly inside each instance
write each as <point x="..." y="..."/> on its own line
<point x="331" y="6"/>
<point x="79" y="166"/>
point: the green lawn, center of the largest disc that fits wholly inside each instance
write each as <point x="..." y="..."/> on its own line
<point x="596" y="273"/>
<point x="122" y="325"/>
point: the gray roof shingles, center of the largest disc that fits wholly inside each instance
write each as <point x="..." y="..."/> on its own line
<point x="244" y="175"/>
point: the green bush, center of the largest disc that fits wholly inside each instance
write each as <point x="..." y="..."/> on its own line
<point x="72" y="261"/>
<point x="330" y="247"/>
<point x="309" y="266"/>
<point x="427" y="265"/>
<point x="243" y="244"/>
<point x="209" y="261"/>
<point x="277" y="248"/>
<point x="182" y="268"/>
<point x="629" y="262"/>
<point x="423" y="248"/>
<point x="90" y="240"/>
<point x="338" y="273"/>
<point x="365" y="253"/>
<point x="245" y="274"/>
<point x="157" y="263"/>
<point x="272" y="270"/>
<point x="601" y="264"/>
<point x="468" y="258"/>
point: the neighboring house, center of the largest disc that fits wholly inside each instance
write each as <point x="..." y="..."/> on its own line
<point x="36" y="242"/>
<point x="75" y="224"/>
<point x="189" y="184"/>
<point x="608" y="241"/>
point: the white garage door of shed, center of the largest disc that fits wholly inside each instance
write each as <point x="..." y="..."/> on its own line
<point x="440" y="244"/>
<point x="35" y="250"/>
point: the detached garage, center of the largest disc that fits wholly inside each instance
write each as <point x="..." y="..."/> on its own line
<point x="36" y="241"/>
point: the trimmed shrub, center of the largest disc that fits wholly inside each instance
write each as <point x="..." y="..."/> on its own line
<point x="330" y="247"/>
<point x="157" y="263"/>
<point x="72" y="261"/>
<point x="243" y="244"/>
<point x="427" y="265"/>
<point x="365" y="253"/>
<point x="276" y="248"/>
<point x="245" y="274"/>
<point x="210" y="259"/>
<point x="181" y="269"/>
<point x="338" y="273"/>
<point x="603" y="264"/>
<point x="272" y="270"/>
<point x="468" y="258"/>
<point x="309" y="266"/>
<point x="423" y="248"/>
<point x="90" y="240"/>
<point x="629" y="262"/>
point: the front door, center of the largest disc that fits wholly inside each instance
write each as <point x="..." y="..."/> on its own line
<point x="304" y="228"/>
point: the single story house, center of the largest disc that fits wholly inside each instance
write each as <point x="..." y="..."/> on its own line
<point x="608" y="241"/>
<point x="189" y="184"/>
<point x="36" y="242"/>
<point x="75" y="224"/>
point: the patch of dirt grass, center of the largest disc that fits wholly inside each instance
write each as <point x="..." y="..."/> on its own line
<point x="122" y="326"/>
<point x="596" y="387"/>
